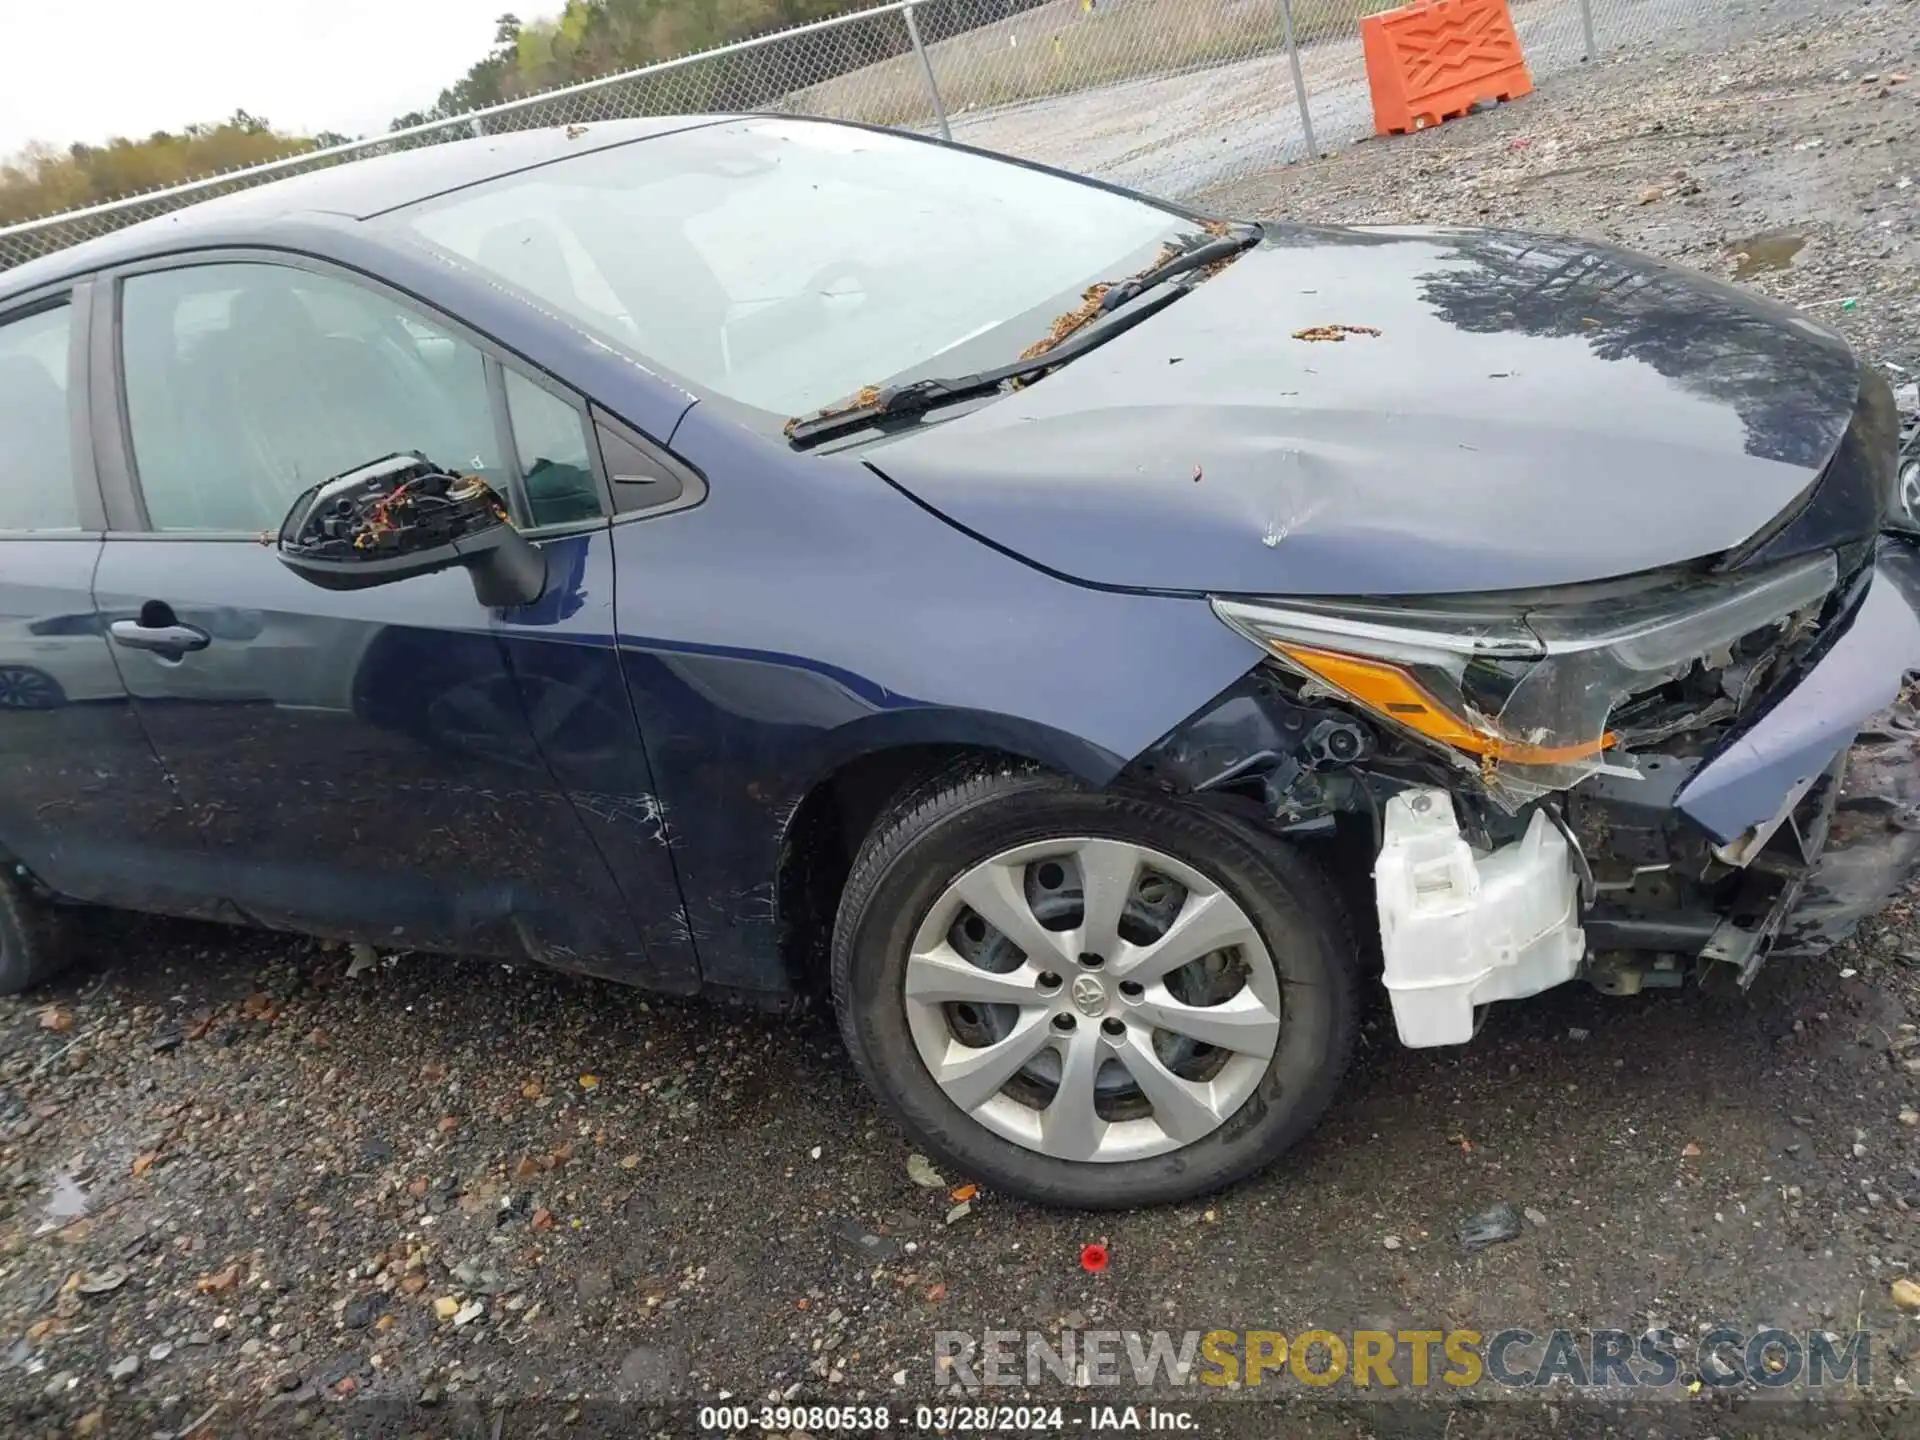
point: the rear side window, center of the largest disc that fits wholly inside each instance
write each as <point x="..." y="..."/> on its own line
<point x="36" y="458"/>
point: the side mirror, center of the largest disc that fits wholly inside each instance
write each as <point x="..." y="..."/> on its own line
<point x="404" y="516"/>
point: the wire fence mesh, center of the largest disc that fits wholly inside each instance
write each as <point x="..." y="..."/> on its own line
<point x="1170" y="96"/>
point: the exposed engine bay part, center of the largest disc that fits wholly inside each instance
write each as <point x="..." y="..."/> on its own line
<point x="1462" y="927"/>
<point x="1724" y="825"/>
<point x="1621" y="973"/>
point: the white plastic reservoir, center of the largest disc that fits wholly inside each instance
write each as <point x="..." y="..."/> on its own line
<point x="1462" y="927"/>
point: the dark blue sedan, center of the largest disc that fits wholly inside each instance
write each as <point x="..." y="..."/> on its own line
<point x="1084" y="638"/>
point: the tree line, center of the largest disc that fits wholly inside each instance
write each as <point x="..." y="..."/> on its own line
<point x="42" y="180"/>
<point x="586" y="39"/>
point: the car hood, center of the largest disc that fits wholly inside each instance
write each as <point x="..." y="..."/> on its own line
<point x="1531" y="411"/>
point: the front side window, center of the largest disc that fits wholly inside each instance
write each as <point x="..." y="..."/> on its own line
<point x="36" y="460"/>
<point x="551" y="441"/>
<point x="247" y="383"/>
<point x="785" y="264"/>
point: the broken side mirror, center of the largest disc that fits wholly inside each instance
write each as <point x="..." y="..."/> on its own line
<point x="403" y="516"/>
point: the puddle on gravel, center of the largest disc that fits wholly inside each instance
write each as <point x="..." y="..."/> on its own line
<point x="1773" y="250"/>
<point x="68" y="1201"/>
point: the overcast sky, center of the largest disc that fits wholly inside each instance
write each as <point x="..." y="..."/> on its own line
<point x="130" y="67"/>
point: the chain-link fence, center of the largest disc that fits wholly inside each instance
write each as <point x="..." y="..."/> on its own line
<point x="1167" y="95"/>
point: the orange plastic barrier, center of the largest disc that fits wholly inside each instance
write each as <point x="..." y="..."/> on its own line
<point x="1434" y="59"/>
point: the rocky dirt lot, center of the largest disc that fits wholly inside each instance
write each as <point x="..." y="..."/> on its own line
<point x="249" y="1185"/>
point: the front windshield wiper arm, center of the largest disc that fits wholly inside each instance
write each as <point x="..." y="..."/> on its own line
<point x="1194" y="257"/>
<point x="919" y="396"/>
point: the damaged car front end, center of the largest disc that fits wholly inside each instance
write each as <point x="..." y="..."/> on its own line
<point x="1065" y="629"/>
<point x="1637" y="782"/>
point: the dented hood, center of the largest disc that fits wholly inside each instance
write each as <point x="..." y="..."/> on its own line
<point x="1533" y="411"/>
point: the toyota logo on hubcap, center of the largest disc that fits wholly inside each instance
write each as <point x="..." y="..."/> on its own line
<point x="1089" y="995"/>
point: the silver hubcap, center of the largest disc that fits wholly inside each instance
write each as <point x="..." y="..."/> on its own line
<point x="1092" y="999"/>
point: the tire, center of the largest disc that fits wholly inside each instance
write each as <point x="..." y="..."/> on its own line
<point x="26" y="687"/>
<point x="956" y="832"/>
<point x="30" y="951"/>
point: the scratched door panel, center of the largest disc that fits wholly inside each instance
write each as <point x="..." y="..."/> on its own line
<point x="566" y="669"/>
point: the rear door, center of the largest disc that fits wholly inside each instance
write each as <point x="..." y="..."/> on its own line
<point x="83" y="802"/>
<point x="382" y="764"/>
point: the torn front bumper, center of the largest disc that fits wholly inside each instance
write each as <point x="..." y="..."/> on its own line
<point x="1848" y="730"/>
<point x="1743" y="794"/>
<point x="1776" y="834"/>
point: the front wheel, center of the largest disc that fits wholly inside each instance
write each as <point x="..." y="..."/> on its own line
<point x="1086" y="998"/>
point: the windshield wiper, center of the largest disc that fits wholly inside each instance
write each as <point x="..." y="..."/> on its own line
<point x="919" y="396"/>
<point x="1194" y="257"/>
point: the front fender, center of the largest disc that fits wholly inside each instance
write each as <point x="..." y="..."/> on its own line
<point x="808" y="613"/>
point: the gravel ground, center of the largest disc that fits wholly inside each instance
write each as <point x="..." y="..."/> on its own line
<point x="1176" y="134"/>
<point x="250" y="1182"/>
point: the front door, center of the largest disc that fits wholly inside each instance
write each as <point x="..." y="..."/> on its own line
<point x="376" y="764"/>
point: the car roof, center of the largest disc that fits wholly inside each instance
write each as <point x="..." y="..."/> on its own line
<point x="345" y="193"/>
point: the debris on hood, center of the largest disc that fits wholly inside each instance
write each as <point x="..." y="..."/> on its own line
<point x="1333" y="332"/>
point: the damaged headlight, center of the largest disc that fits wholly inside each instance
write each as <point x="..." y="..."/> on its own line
<point x="1524" y="686"/>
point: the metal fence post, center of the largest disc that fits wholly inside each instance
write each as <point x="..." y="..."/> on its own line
<point x="926" y="70"/>
<point x="1299" y="81"/>
<point x="1586" y="29"/>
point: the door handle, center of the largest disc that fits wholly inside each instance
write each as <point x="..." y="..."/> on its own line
<point x="167" y="639"/>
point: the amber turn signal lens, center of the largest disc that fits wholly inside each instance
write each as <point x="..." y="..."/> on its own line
<point x="1390" y="691"/>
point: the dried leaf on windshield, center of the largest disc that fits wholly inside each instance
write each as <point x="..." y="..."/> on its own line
<point x="1064" y="326"/>
<point x="1088" y="309"/>
<point x="867" y="395"/>
<point x="1333" y="332"/>
<point x="1077" y="318"/>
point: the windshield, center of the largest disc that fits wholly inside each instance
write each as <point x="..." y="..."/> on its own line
<point x="786" y="264"/>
